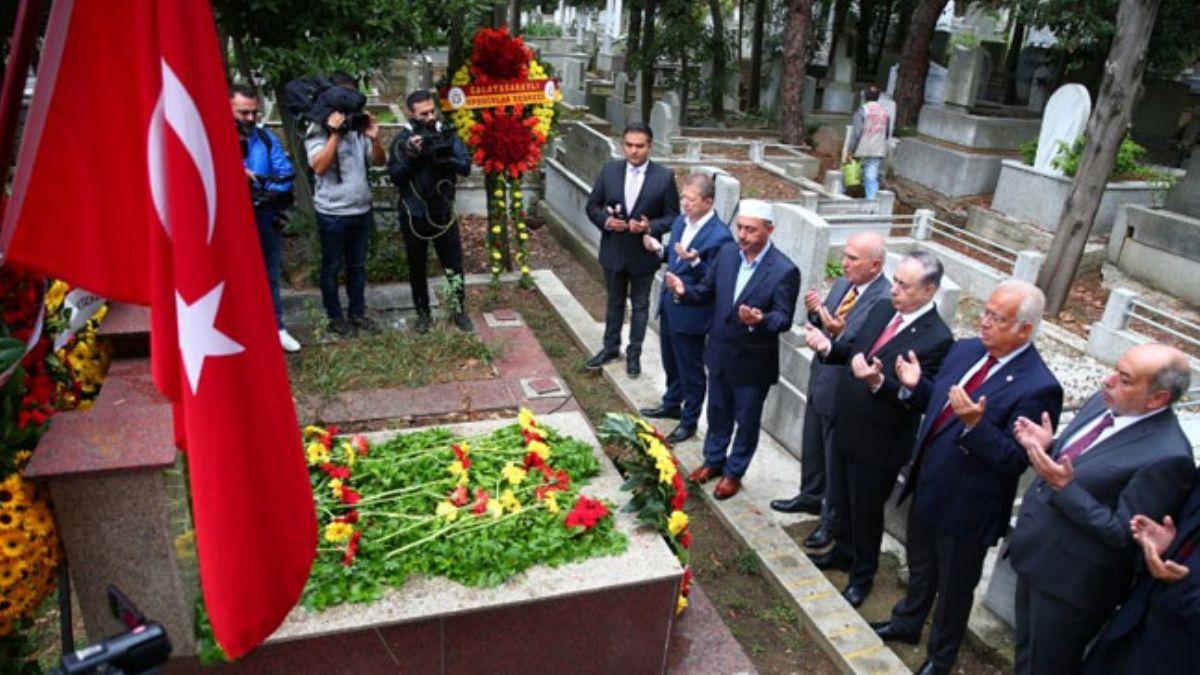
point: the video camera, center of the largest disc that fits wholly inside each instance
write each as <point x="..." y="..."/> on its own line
<point x="436" y="144"/>
<point x="141" y="649"/>
<point x="349" y="102"/>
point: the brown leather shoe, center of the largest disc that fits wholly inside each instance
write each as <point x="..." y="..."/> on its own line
<point x="704" y="474"/>
<point x="727" y="487"/>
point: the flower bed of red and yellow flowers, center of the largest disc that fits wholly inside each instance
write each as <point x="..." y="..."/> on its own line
<point x="475" y="510"/>
<point x="41" y="382"/>
<point x="659" y="491"/>
<point x="505" y="141"/>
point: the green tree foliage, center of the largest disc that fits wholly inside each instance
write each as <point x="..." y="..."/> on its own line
<point x="1084" y="29"/>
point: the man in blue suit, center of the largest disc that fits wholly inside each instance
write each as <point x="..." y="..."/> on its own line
<point x="1123" y="454"/>
<point x="1157" y="630"/>
<point x="631" y="197"/>
<point x="967" y="461"/>
<point x="752" y="287"/>
<point x="696" y="236"/>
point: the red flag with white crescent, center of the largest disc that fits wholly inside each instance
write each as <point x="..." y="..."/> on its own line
<point x="130" y="184"/>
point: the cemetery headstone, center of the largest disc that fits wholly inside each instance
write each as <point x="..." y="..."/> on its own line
<point x="810" y="94"/>
<point x="839" y="90"/>
<point x="962" y="83"/>
<point x="1184" y="196"/>
<point x="1065" y="118"/>
<point x="662" y="126"/>
<point x="935" y="84"/>
<point x="615" y="106"/>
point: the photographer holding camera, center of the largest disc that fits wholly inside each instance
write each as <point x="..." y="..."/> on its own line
<point x="339" y="152"/>
<point x="270" y="175"/>
<point x="425" y="159"/>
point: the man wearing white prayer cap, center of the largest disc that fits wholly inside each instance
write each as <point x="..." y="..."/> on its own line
<point x="753" y="288"/>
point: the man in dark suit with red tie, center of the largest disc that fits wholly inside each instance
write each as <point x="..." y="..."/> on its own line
<point x="1157" y="630"/>
<point x="631" y="197"/>
<point x="966" y="464"/>
<point x="1072" y="548"/>
<point x="873" y="428"/>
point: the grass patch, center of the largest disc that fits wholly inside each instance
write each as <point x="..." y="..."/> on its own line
<point x="390" y="359"/>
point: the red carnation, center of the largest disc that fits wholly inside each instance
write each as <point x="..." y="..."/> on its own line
<point x="361" y="443"/>
<point x="586" y="513"/>
<point x="459" y="495"/>
<point x="685" y="538"/>
<point x="461" y="456"/>
<point x="349" y="496"/>
<point x="351" y="549"/>
<point x="350" y="517"/>
<point x="498" y="56"/>
<point x="481" y="501"/>
<point x="681" y="494"/>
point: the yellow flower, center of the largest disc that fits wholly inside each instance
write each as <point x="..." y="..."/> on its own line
<point x="447" y="510"/>
<point x="11" y="570"/>
<point x="510" y="502"/>
<point x="335" y="487"/>
<point x="524" y="269"/>
<point x="495" y="269"/>
<point x="457" y="469"/>
<point x="498" y="193"/>
<point x="461" y="76"/>
<point x="540" y="449"/>
<point x="495" y="255"/>
<point x="55" y="295"/>
<point x="13" y="543"/>
<point x="523" y="236"/>
<point x="666" y="470"/>
<point x="313" y="431"/>
<point x="551" y="502"/>
<point x="8" y="521"/>
<point x="513" y="473"/>
<point x="677" y="522"/>
<point x="525" y="418"/>
<point x="38" y="520"/>
<point x="494" y="508"/>
<point x="337" y="532"/>
<point x="517" y="194"/>
<point x="348" y="452"/>
<point x="680" y="605"/>
<point x="317" y="453"/>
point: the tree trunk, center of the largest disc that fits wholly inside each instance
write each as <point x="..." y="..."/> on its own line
<point x="795" y="54"/>
<point x="914" y="62"/>
<point x="633" y="39"/>
<point x="683" y="89"/>
<point x="302" y="183"/>
<point x="647" y="85"/>
<point x="840" y="9"/>
<point x="756" y="53"/>
<point x="1105" y="130"/>
<point x="716" y="85"/>
<point x="243" y="62"/>
<point x="455" y="57"/>
<point x="741" y="24"/>
<point x="1012" y="60"/>
<point x="903" y="19"/>
<point x="885" y="24"/>
<point x="862" y="43"/>
<point x="513" y="16"/>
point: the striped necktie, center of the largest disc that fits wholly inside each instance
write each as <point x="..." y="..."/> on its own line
<point x="847" y="304"/>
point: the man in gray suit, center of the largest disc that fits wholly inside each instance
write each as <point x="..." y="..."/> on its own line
<point x="1123" y="454"/>
<point x="851" y="298"/>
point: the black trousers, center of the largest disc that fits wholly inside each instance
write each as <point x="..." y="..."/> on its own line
<point x="816" y="465"/>
<point x="942" y="574"/>
<point x="448" y="246"/>
<point x="861" y="491"/>
<point x="1051" y="634"/>
<point x="636" y="287"/>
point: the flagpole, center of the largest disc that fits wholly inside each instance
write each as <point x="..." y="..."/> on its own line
<point x="20" y="54"/>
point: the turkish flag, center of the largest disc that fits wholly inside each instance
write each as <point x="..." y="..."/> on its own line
<point x="130" y="184"/>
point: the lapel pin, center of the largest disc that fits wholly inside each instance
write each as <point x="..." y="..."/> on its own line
<point x="1008" y="379"/>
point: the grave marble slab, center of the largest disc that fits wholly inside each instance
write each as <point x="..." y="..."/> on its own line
<point x="1064" y="119"/>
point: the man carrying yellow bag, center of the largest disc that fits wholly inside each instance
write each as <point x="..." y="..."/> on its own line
<point x="867" y="142"/>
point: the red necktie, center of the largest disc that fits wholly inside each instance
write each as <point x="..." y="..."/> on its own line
<point x="1082" y="443"/>
<point x="886" y="335"/>
<point x="972" y="384"/>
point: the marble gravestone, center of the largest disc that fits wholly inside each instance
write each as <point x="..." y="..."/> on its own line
<point x="1064" y="119"/>
<point x="663" y="126"/>
<point x="1184" y="196"/>
<point x="935" y="82"/>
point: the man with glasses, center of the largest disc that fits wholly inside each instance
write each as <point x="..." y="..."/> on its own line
<point x="270" y="175"/>
<point x="966" y="464"/>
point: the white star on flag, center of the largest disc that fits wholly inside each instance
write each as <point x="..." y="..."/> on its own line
<point x="198" y="334"/>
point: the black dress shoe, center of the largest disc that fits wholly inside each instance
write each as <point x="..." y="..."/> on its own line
<point x="834" y="560"/>
<point x="887" y="632"/>
<point x="680" y="434"/>
<point x="602" y="357"/>
<point x="633" y="366"/>
<point x="856" y="594"/>
<point x="671" y="412"/>
<point x="930" y="668"/>
<point x="797" y="504"/>
<point x="819" y="540"/>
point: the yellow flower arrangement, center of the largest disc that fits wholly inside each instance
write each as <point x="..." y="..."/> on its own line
<point x="337" y="532"/>
<point x="513" y="473"/>
<point x="677" y="522"/>
<point x="509" y="502"/>
<point x="317" y="453"/>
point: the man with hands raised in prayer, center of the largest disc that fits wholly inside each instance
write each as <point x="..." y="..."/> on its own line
<point x="966" y="464"/>
<point x="873" y="427"/>
<point x="1072" y="548"/>
<point x="753" y="288"/>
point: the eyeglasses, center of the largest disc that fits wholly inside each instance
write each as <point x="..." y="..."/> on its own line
<point x="992" y="317"/>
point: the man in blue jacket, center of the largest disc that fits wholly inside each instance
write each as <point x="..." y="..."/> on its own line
<point x="1157" y="630"/>
<point x="696" y="236"/>
<point x="425" y="161"/>
<point x="270" y="175"/>
<point x="752" y="287"/>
